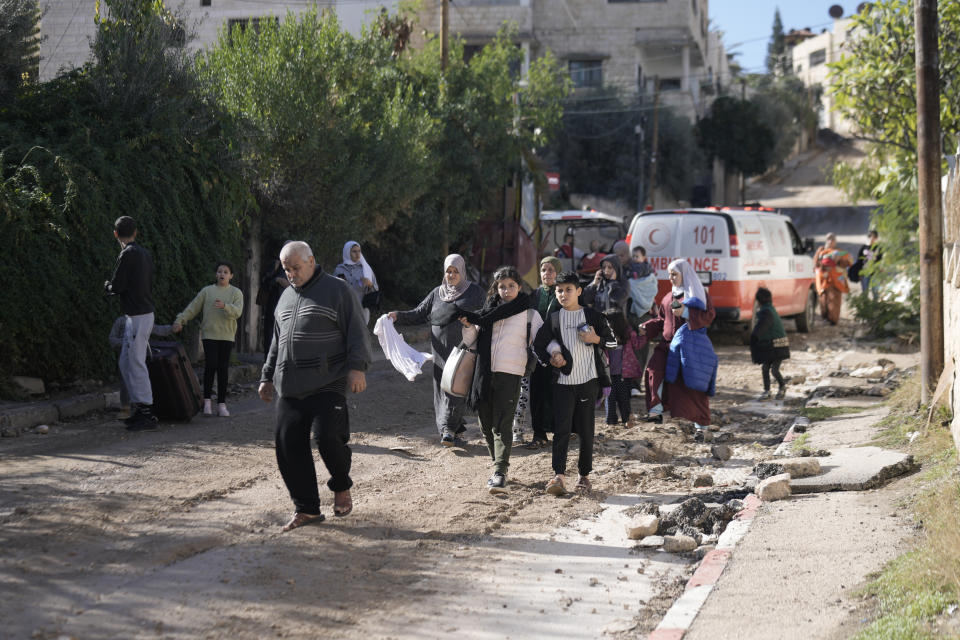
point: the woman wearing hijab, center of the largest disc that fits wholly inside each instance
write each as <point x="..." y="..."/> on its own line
<point x="358" y="274"/>
<point x="830" y="265"/>
<point x="439" y="308"/>
<point x="687" y="303"/>
<point x="607" y="291"/>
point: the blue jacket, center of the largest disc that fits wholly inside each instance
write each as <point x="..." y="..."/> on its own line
<point x="692" y="352"/>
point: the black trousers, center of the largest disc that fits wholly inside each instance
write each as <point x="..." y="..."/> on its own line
<point x="541" y="401"/>
<point x="573" y="408"/>
<point x="771" y="367"/>
<point x="324" y="414"/>
<point x="216" y="354"/>
<point x="619" y="398"/>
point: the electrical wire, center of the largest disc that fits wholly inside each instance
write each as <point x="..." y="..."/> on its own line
<point x="56" y="47"/>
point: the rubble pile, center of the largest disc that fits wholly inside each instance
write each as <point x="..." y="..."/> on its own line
<point x="693" y="525"/>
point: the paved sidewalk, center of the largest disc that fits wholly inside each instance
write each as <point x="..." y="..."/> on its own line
<point x="794" y="574"/>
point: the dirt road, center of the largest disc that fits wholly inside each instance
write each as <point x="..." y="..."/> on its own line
<point x="175" y="533"/>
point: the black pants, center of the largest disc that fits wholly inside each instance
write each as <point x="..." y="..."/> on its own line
<point x="573" y="407"/>
<point x="325" y="414"/>
<point x="619" y="398"/>
<point x="771" y="367"/>
<point x="216" y="354"/>
<point x="541" y="401"/>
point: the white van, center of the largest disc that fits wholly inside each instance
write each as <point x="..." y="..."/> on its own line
<point x="584" y="226"/>
<point x="735" y="251"/>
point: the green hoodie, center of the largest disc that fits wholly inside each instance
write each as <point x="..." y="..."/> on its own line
<point x="217" y="324"/>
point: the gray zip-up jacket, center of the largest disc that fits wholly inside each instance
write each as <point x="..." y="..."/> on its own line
<point x="319" y="335"/>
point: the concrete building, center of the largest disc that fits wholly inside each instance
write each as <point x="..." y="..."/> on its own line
<point x="68" y="25"/>
<point x="809" y="59"/>
<point x="622" y="43"/>
<point x="619" y="43"/>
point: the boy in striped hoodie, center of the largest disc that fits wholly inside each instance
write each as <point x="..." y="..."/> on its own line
<point x="572" y="341"/>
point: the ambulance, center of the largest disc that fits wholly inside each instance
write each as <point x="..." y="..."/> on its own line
<point x="735" y="251"/>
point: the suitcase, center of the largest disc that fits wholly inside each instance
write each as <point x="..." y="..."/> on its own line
<point x="458" y="371"/>
<point x="176" y="390"/>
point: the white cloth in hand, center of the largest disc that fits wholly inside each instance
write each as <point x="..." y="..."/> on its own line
<point x="402" y="356"/>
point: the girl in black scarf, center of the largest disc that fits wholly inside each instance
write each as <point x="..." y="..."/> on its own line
<point x="502" y="341"/>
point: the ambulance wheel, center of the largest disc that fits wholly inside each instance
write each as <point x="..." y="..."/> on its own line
<point x="805" y="319"/>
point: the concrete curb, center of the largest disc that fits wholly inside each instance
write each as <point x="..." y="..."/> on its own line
<point x="678" y="619"/>
<point x="681" y="614"/>
<point x="799" y="426"/>
<point x="684" y="610"/>
<point x="16" y="420"/>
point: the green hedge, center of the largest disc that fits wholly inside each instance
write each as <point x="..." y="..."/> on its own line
<point x="59" y="203"/>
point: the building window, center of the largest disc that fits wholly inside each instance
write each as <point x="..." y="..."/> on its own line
<point x="253" y="23"/>
<point x="205" y="3"/>
<point x="671" y="84"/>
<point x="818" y="57"/>
<point x="470" y="50"/>
<point x="693" y="4"/>
<point x="586" y="73"/>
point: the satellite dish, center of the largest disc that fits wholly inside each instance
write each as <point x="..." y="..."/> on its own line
<point x="862" y="7"/>
<point x="836" y="12"/>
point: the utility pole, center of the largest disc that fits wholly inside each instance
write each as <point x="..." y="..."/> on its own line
<point x="444" y="59"/>
<point x="653" y="142"/>
<point x="444" y="34"/>
<point x="928" y="182"/>
<point x="639" y="131"/>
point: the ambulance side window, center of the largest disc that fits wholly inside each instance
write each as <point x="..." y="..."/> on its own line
<point x="795" y="241"/>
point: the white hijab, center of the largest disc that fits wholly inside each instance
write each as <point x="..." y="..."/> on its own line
<point x="691" y="287"/>
<point x="367" y="271"/>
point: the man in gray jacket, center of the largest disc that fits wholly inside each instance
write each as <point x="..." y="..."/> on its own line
<point x="319" y="350"/>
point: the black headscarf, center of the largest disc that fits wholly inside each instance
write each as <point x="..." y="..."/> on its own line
<point x="611" y="294"/>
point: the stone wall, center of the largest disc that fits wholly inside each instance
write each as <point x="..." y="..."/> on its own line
<point x="68" y="25"/>
<point x="951" y="292"/>
<point x="629" y="38"/>
<point x="67" y="28"/>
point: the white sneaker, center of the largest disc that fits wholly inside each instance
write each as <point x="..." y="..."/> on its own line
<point x="207" y="407"/>
<point x="222" y="411"/>
<point x="635" y="393"/>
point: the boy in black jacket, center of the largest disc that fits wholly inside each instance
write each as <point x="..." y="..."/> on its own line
<point x="580" y="371"/>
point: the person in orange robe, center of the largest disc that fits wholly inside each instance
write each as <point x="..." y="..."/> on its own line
<point x="830" y="270"/>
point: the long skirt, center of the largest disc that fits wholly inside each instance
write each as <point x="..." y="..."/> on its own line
<point x="677" y="398"/>
<point x="830" y="301"/>
<point x="654" y="374"/>
<point x="684" y="402"/>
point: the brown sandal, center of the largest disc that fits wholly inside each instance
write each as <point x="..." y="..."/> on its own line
<point x="301" y="519"/>
<point x="342" y="503"/>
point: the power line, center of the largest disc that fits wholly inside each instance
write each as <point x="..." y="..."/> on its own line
<point x="56" y="47"/>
